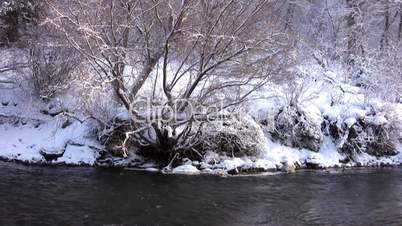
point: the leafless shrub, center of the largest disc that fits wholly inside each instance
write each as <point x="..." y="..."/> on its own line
<point x="380" y="75"/>
<point x="52" y="69"/>
<point x="14" y="68"/>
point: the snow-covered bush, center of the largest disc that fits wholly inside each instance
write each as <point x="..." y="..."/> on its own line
<point x="95" y="98"/>
<point x="295" y="128"/>
<point x="236" y="135"/>
<point x="167" y="143"/>
<point x="373" y="134"/>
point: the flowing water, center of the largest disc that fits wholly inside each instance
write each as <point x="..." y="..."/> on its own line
<point x="32" y="195"/>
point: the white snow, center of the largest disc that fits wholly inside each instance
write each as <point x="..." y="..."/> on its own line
<point x="151" y="169"/>
<point x="277" y="155"/>
<point x="77" y="155"/>
<point x="377" y="120"/>
<point x="230" y="164"/>
<point x="264" y="164"/>
<point x="186" y="169"/>
<point x="24" y="143"/>
<point x="350" y="121"/>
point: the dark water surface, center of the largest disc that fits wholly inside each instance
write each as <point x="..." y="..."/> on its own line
<point x="85" y="196"/>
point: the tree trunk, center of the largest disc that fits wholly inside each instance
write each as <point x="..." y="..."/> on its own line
<point x="146" y="71"/>
<point x="12" y="33"/>
<point x="290" y="16"/>
<point x="384" y="38"/>
<point x="354" y="26"/>
<point x="400" y="23"/>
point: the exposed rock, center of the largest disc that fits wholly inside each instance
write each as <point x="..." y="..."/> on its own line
<point x="313" y="162"/>
<point x="17" y="120"/>
<point x="294" y="128"/>
<point x="106" y="159"/>
<point x="344" y="161"/>
<point x="245" y="170"/>
<point x="53" y="113"/>
<point x="51" y="155"/>
<point x="104" y="162"/>
<point x="66" y="123"/>
<point x="234" y="171"/>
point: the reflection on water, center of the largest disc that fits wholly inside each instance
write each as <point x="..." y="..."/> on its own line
<point x="77" y="196"/>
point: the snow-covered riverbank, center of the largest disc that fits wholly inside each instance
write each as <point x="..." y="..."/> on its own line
<point x="37" y="138"/>
<point x="34" y="131"/>
<point x="32" y="142"/>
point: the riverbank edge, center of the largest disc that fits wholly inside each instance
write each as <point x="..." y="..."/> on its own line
<point x="237" y="171"/>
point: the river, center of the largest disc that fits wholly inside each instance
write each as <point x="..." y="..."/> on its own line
<point x="33" y="195"/>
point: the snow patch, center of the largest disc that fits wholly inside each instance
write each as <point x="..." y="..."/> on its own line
<point x="78" y="155"/>
<point x="186" y="169"/>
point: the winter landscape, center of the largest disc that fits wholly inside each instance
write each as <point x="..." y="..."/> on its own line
<point x="223" y="87"/>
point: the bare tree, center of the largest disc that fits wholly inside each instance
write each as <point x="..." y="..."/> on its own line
<point x="201" y="47"/>
<point x="384" y="38"/>
<point x="354" y="24"/>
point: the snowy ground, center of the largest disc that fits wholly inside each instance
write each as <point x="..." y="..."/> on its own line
<point x="25" y="133"/>
<point x="25" y="141"/>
